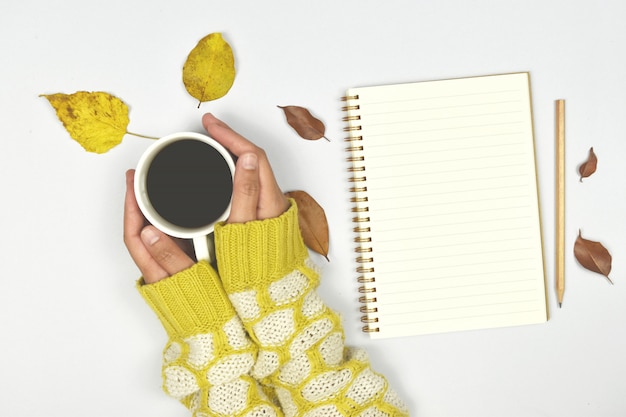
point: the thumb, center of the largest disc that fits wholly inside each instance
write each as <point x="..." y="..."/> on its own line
<point x="166" y="253"/>
<point x="246" y="189"/>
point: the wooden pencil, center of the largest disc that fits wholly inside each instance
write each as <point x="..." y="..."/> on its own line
<point x="560" y="199"/>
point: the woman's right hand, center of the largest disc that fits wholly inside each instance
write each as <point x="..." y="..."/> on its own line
<point x="256" y="194"/>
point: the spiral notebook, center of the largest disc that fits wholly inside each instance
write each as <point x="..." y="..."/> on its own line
<point x="446" y="206"/>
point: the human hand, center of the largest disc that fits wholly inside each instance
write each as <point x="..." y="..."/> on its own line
<point x="256" y="194"/>
<point x="156" y="254"/>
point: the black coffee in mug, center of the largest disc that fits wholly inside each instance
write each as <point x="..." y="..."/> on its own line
<point x="189" y="183"/>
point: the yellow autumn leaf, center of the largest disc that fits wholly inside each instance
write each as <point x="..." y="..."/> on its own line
<point x="96" y="120"/>
<point x="209" y="71"/>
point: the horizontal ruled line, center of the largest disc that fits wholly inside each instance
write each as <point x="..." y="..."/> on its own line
<point x="465" y="317"/>
<point x="480" y="93"/>
<point x="481" y="252"/>
<point x="456" y="234"/>
<point x="424" y="141"/>
<point x="448" y="245"/>
<point x="456" y="265"/>
<point x="486" y="294"/>
<point x="451" y="171"/>
<point x="472" y="190"/>
<point x="422" y="151"/>
<point x="504" y="187"/>
<point x="426" y="204"/>
<point x="452" y="213"/>
<point x="405" y="229"/>
<point x="467" y="276"/>
<point x="430" y="119"/>
<point x="441" y="129"/>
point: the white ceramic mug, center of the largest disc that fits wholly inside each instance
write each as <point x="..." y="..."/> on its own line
<point x="150" y="166"/>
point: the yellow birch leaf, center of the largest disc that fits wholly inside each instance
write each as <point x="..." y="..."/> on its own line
<point x="96" y="120"/>
<point x="209" y="71"/>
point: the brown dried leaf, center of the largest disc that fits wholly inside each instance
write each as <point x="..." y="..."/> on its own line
<point x="589" y="166"/>
<point x="313" y="224"/>
<point x="307" y="126"/>
<point x="593" y="256"/>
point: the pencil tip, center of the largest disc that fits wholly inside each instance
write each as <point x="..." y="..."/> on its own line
<point x="560" y="305"/>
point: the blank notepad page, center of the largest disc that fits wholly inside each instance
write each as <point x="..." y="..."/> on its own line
<point x="446" y="190"/>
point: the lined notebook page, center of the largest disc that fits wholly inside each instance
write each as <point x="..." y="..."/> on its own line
<point x="452" y="200"/>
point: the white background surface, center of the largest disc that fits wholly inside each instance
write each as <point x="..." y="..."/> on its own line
<point x="76" y="338"/>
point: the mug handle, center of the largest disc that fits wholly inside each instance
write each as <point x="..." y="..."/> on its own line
<point x="204" y="247"/>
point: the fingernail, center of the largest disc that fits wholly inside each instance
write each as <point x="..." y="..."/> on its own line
<point x="149" y="236"/>
<point x="249" y="161"/>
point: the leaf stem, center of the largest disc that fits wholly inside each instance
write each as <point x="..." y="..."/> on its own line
<point x="141" y="136"/>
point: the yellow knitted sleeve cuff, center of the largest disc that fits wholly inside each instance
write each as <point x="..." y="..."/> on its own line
<point x="259" y="252"/>
<point x="190" y="302"/>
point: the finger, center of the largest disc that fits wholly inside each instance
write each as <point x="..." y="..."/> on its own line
<point x="165" y="252"/>
<point x="134" y="223"/>
<point x="227" y="137"/>
<point x="246" y="190"/>
<point x="133" y="220"/>
<point x="272" y="202"/>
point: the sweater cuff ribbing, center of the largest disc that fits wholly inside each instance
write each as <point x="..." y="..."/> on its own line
<point x="190" y="302"/>
<point x="259" y="252"/>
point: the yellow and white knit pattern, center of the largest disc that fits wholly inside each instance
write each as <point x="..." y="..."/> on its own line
<point x="272" y="286"/>
<point x="209" y="357"/>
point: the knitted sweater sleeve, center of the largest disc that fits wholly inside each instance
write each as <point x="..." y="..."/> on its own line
<point x="271" y="282"/>
<point x="208" y="358"/>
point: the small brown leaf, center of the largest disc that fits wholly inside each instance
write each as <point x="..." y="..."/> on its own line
<point x="307" y="126"/>
<point x="589" y="166"/>
<point x="593" y="256"/>
<point x="313" y="224"/>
